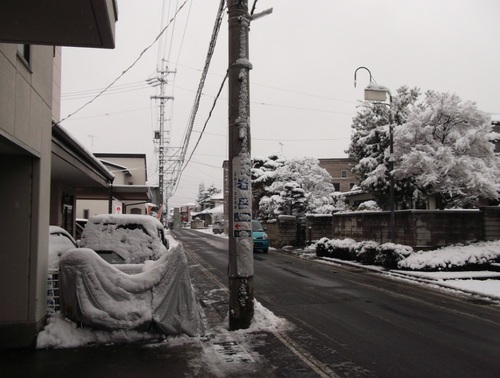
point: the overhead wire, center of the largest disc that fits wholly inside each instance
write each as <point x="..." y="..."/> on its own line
<point x="128" y="68"/>
<point x="206" y="122"/>
<point x="194" y="111"/>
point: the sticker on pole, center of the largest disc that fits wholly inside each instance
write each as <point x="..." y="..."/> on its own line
<point x="242" y="215"/>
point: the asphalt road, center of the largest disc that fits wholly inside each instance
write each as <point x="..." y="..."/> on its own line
<point x="353" y="323"/>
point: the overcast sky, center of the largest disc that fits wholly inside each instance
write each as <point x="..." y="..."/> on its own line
<point x="302" y="90"/>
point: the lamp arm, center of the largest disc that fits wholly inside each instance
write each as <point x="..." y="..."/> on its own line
<point x="362" y="68"/>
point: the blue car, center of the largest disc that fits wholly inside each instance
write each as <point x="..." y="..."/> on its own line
<point x="260" y="239"/>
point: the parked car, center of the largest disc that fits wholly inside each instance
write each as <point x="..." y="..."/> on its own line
<point x="259" y="236"/>
<point x="125" y="238"/>
<point x="60" y="241"/>
<point x="218" y="228"/>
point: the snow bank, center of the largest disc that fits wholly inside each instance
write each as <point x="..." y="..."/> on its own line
<point x="100" y="295"/>
<point x="453" y="257"/>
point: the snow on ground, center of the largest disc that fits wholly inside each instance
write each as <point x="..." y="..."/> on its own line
<point x="62" y="333"/>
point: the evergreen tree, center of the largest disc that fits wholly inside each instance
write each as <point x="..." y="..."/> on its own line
<point x="370" y="144"/>
<point x="446" y="148"/>
<point x="299" y="186"/>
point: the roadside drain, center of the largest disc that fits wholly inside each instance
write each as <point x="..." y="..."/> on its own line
<point x="232" y="352"/>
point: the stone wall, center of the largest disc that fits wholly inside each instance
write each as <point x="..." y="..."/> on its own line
<point x="491" y="223"/>
<point x="420" y="229"/>
<point x="319" y="226"/>
<point x="282" y="232"/>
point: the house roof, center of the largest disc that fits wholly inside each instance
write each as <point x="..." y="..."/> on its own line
<point x="74" y="165"/>
<point x="79" y="23"/>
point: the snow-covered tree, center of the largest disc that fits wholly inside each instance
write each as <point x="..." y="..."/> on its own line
<point x="370" y="142"/>
<point x="206" y="193"/>
<point x="442" y="147"/>
<point x="263" y="170"/>
<point x="299" y="186"/>
<point x="445" y="147"/>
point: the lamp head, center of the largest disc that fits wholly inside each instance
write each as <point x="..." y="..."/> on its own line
<point x="376" y="93"/>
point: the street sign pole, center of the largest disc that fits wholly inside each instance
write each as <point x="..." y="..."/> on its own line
<point x="240" y="269"/>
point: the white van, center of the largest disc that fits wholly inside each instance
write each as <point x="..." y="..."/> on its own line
<point x="125" y="238"/>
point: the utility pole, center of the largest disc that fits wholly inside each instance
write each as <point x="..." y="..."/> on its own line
<point x="240" y="269"/>
<point x="161" y="80"/>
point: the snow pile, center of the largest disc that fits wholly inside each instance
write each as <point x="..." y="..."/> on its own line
<point x="453" y="257"/>
<point x="63" y="333"/>
<point x="100" y="295"/>
<point x="369" y="206"/>
<point x="265" y="320"/>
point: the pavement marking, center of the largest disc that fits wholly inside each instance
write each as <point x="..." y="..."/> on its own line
<point x="234" y="352"/>
<point x="318" y="367"/>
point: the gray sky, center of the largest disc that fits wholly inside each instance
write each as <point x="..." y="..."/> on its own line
<point x="302" y="92"/>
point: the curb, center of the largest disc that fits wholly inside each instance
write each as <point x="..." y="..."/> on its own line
<point x="398" y="274"/>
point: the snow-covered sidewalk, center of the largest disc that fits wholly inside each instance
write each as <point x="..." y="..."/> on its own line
<point x="484" y="283"/>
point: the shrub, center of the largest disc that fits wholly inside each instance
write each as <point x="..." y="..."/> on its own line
<point x="322" y="247"/>
<point x="365" y="251"/>
<point x="454" y="258"/>
<point x="334" y="248"/>
<point x="389" y="254"/>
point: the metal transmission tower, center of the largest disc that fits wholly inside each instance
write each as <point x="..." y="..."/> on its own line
<point x="162" y="136"/>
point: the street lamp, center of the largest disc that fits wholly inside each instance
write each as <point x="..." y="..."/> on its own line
<point x="378" y="94"/>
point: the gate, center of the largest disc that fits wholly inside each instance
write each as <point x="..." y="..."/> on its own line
<point x="301" y="232"/>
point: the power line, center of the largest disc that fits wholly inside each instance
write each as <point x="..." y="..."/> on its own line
<point x="194" y="111"/>
<point x="129" y="68"/>
<point x="206" y="122"/>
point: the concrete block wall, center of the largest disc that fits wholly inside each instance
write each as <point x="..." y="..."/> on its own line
<point x="491" y="223"/>
<point x="417" y="228"/>
<point x="282" y="232"/>
<point x="420" y="229"/>
<point x="319" y="226"/>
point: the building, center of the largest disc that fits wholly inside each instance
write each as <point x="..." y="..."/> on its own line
<point x="340" y="169"/>
<point x="129" y="191"/>
<point x="29" y="106"/>
<point x="211" y="210"/>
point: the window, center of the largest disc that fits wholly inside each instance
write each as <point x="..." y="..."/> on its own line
<point x="343" y="174"/>
<point x="351" y="185"/>
<point x="86" y="213"/>
<point x="24" y="51"/>
<point x="336" y="185"/>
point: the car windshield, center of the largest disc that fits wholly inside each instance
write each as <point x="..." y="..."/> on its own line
<point x="256" y="226"/>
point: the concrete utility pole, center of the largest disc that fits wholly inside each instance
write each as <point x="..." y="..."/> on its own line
<point x="240" y="269"/>
<point x="161" y="80"/>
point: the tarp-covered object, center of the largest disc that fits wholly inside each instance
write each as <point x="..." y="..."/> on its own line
<point x="100" y="295"/>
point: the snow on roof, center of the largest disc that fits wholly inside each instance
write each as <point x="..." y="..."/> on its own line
<point x="215" y="210"/>
<point x="217" y="196"/>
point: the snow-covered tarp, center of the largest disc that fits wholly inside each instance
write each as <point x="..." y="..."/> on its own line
<point x="160" y="297"/>
<point x="134" y="238"/>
